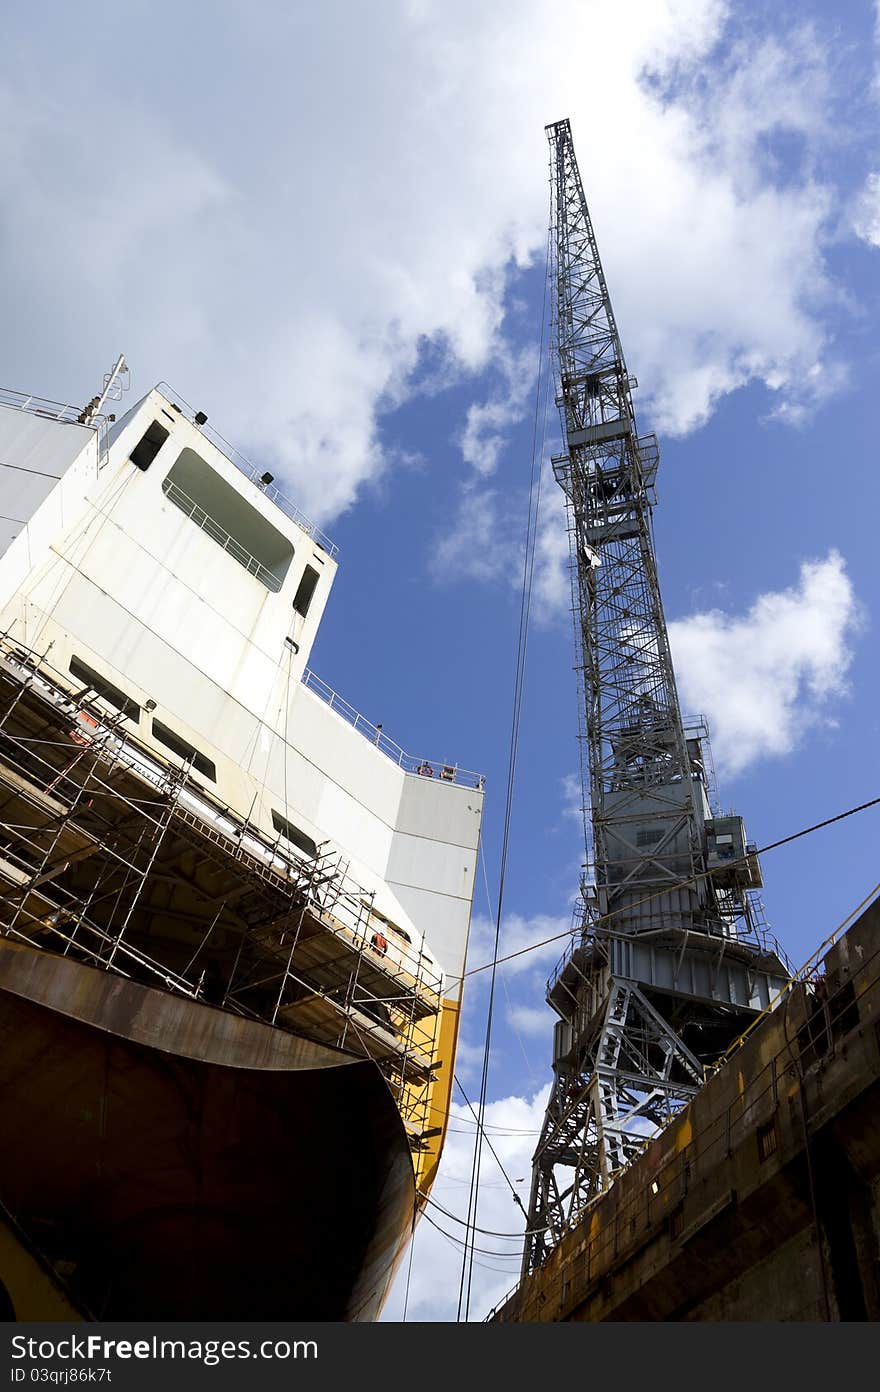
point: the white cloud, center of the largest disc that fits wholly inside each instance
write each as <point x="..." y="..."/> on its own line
<point x="486" y="541"/>
<point x="469" y="1053"/>
<point x="278" y="217"/>
<point x="573" y="797"/>
<point x="866" y="217"/>
<point x="518" y="931"/>
<point x="820" y="383"/>
<point x="551" y="593"/>
<point x="512" y="1126"/>
<point x="765" y="677"/>
<point x="476" y="545"/>
<point x="703" y="288"/>
<point x="531" y="1019"/>
<point x="779" y="84"/>
<point x="485" y="431"/>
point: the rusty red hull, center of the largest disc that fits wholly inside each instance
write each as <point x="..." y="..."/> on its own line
<point x="174" y="1161"/>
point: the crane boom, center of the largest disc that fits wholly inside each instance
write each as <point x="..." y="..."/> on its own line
<point x="671" y="957"/>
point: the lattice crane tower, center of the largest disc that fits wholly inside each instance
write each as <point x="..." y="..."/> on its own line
<point x="672" y="957"/>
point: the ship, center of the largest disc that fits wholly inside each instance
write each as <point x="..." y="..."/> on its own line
<point x="233" y="912"/>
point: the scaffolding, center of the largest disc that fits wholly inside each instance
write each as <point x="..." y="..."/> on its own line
<point x="116" y="857"/>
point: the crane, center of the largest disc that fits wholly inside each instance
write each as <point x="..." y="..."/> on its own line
<point x="671" y="957"/>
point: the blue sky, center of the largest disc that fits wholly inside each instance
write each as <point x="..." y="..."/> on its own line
<point x="327" y="229"/>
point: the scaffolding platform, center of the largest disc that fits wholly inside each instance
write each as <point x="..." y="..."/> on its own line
<point x="116" y="857"/>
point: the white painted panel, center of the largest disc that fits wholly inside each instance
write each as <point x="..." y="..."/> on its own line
<point x="153" y="597"/>
<point x="441" y="811"/>
<point x="39" y="445"/>
<point x="345" y="755"/>
<point x="22" y="492"/>
<point x="300" y="792"/>
<point x="354" y="826"/>
<point x="167" y="676"/>
<point x="444" y="922"/>
<point x="160" y="543"/>
<point x="160" y="529"/>
<point x="418" y="861"/>
<point x="30" y="549"/>
<point x="34" y="454"/>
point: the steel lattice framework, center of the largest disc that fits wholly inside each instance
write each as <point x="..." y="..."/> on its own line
<point x="669" y="958"/>
<point x="635" y="740"/>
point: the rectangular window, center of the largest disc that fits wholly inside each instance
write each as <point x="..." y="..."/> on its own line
<point x="228" y="519"/>
<point x="185" y="751"/>
<point x="305" y="590"/>
<point x="105" y="689"/>
<point x="766" y="1140"/>
<point x="149" y="445"/>
<point x="293" y="834"/>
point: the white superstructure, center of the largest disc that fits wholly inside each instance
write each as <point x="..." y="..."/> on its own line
<point x="149" y="563"/>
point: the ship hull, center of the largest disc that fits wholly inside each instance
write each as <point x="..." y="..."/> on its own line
<point x="174" y="1161"/>
<point x="233" y="912"/>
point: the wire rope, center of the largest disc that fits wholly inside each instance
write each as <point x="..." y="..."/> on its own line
<point x="534" y="502"/>
<point x="682" y="884"/>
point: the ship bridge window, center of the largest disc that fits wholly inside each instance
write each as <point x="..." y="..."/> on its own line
<point x="293" y="834"/>
<point x="149" y="445"/>
<point x="305" y="590"/>
<point x="184" y="750"/>
<point x="105" y="689"/>
<point x="221" y="511"/>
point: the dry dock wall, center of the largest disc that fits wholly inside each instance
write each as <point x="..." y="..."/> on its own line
<point x="761" y="1202"/>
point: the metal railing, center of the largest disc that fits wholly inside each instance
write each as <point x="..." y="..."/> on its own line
<point x="57" y="411"/>
<point x="757" y="937"/>
<point x="827" y="1020"/>
<point x="426" y="768"/>
<point x="244" y="466"/>
<point x="385" y="999"/>
<point x="219" y="534"/>
<point x="40" y="406"/>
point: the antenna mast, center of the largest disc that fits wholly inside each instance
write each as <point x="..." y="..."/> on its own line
<point x="672" y="958"/>
<point x="115" y="383"/>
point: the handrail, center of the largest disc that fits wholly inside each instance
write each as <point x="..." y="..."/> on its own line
<point x="676" y="1174"/>
<point x="57" y="411"/>
<point x="426" y="768"/>
<point x="338" y="899"/>
<point x="217" y="532"/>
<point x="761" y="941"/>
<point x="244" y="466"/>
<point x="41" y="406"/>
